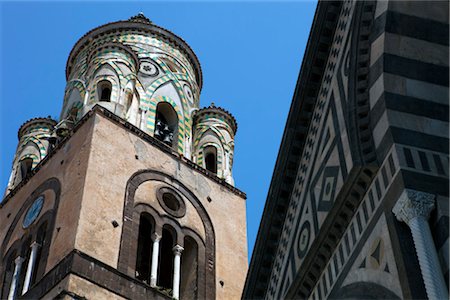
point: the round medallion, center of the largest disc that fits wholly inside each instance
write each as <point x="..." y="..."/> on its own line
<point x="148" y="68"/>
<point x="33" y="212"/>
<point x="303" y="239"/>
<point x="171" y="202"/>
<point x="188" y="92"/>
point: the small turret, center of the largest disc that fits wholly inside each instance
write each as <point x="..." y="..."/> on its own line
<point x="213" y="144"/>
<point x="32" y="148"/>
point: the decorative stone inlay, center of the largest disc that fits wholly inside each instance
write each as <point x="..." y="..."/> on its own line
<point x="412" y="204"/>
<point x="149" y="69"/>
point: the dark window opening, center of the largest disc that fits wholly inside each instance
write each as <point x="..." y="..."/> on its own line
<point x="9" y="272"/>
<point x="189" y="269"/>
<point x="25" y="167"/>
<point x="129" y="101"/>
<point x="41" y="240"/>
<point x="166" y="124"/>
<point x="104" y="88"/>
<point x="144" y="251"/>
<point x="165" y="274"/>
<point x="211" y="159"/>
<point x="25" y="254"/>
<point x="171" y="201"/>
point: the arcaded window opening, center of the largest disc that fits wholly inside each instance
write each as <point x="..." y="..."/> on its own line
<point x="210" y="153"/>
<point x="26" y="165"/>
<point x="165" y="274"/>
<point x="26" y="252"/>
<point x="104" y="88"/>
<point x="9" y="271"/>
<point x="166" y="124"/>
<point x="189" y="269"/>
<point x="144" y="250"/>
<point x="41" y="239"/>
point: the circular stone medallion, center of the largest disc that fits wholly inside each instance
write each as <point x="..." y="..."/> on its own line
<point x="148" y="68"/>
<point x="303" y="239"/>
<point x="33" y="212"/>
<point x="171" y="202"/>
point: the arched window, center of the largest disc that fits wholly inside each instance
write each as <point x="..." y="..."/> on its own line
<point x="144" y="250"/>
<point x="41" y="240"/>
<point x="25" y="254"/>
<point x="165" y="274"/>
<point x="166" y="124"/>
<point x="26" y="165"/>
<point x="210" y="153"/>
<point x="189" y="269"/>
<point x="104" y="89"/>
<point x="8" y="274"/>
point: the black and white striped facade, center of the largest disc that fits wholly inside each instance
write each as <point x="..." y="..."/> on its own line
<point x="367" y="129"/>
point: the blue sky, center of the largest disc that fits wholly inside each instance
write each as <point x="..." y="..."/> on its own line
<point x="250" y="53"/>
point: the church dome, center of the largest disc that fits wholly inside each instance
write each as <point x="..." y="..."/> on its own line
<point x="139" y="23"/>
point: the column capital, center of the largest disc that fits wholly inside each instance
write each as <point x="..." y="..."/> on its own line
<point x="413" y="204"/>
<point x="35" y="245"/>
<point x="156" y="237"/>
<point x="19" y="260"/>
<point x="177" y="249"/>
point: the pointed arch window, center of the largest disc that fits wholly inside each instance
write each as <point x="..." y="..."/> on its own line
<point x="166" y="124"/>
<point x="104" y="89"/>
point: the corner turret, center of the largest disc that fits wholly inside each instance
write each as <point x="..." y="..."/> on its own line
<point x="213" y="146"/>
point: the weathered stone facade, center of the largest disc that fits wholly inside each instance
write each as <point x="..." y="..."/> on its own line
<point x="368" y="123"/>
<point x="115" y="209"/>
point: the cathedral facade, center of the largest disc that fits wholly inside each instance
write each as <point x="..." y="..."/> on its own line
<point x="358" y="202"/>
<point x="130" y="195"/>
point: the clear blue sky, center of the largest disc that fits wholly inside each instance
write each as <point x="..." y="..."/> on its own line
<point x="250" y="54"/>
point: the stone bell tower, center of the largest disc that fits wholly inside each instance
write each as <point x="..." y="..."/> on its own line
<point x="130" y="194"/>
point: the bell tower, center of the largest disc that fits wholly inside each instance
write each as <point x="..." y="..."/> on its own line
<point x="130" y="194"/>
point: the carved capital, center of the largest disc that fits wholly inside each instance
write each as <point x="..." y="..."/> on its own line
<point x="35" y="245"/>
<point x="156" y="237"/>
<point x="177" y="249"/>
<point x="413" y="204"/>
<point x="19" y="260"/>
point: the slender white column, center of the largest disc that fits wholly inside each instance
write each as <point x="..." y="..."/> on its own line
<point x="155" y="258"/>
<point x="30" y="268"/>
<point x="414" y="208"/>
<point x="15" y="280"/>
<point x="176" y="271"/>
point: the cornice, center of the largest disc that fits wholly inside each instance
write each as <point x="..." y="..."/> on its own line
<point x="212" y="109"/>
<point x="291" y="149"/>
<point x="97" y="109"/>
<point x="34" y="121"/>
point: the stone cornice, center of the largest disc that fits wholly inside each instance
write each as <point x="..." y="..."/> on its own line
<point x="97" y="109"/>
<point x="35" y="121"/>
<point x="212" y="109"/>
<point x="291" y="148"/>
